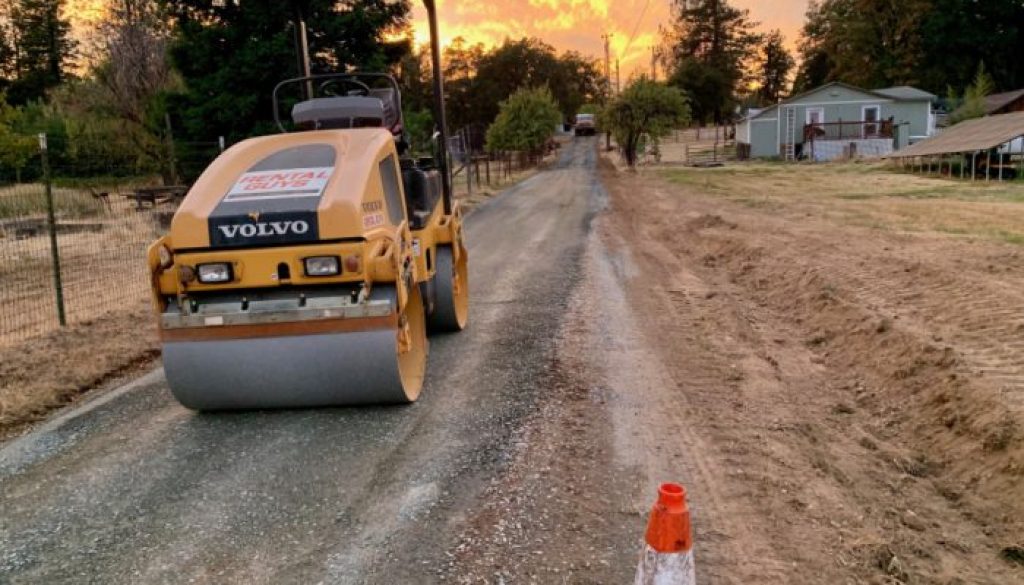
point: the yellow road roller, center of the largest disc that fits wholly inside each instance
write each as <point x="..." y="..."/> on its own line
<point x="305" y="269"/>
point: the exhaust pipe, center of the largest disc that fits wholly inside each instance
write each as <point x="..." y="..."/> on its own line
<point x="439" y="110"/>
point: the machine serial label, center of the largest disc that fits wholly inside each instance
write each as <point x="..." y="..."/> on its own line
<point x="282" y="184"/>
<point x="373" y="220"/>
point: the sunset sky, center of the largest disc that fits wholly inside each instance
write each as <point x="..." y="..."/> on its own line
<point x="566" y="24"/>
<point x="579" y="24"/>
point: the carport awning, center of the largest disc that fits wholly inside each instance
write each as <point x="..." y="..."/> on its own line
<point x="971" y="136"/>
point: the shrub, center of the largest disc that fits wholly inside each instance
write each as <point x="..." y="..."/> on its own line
<point x="527" y="119"/>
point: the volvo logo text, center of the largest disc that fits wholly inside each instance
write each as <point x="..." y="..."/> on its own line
<point x="264" y="229"/>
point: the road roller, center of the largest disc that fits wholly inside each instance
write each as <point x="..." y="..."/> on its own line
<point x="306" y="268"/>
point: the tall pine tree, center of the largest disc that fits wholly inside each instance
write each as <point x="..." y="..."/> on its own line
<point x="712" y="45"/>
<point x="932" y="44"/>
<point x="37" y="48"/>
<point x="773" y="68"/>
<point x="231" y="54"/>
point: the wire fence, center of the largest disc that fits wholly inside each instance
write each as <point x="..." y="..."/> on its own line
<point x="75" y="222"/>
<point x="476" y="169"/>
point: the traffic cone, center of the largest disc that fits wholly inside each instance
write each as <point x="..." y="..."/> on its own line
<point x="668" y="553"/>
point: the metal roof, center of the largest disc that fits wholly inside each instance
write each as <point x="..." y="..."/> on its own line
<point x="900" y="94"/>
<point x="906" y="93"/>
<point x="998" y="101"/>
<point x="971" y="136"/>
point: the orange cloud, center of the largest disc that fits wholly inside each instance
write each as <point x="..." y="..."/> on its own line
<point x="578" y="24"/>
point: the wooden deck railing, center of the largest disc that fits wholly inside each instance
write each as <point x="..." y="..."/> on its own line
<point x="848" y="130"/>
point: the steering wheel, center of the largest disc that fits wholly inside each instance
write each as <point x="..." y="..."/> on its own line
<point x="355" y="87"/>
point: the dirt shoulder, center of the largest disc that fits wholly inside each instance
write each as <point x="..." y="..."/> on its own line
<point x="44" y="373"/>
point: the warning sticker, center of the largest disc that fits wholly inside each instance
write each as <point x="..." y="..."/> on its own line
<point x="282" y="184"/>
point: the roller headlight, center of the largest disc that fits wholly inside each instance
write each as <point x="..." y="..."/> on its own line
<point x="216" y="273"/>
<point x="322" y="266"/>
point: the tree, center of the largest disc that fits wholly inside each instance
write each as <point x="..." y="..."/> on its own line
<point x="38" y="48"/>
<point x="525" y="122"/>
<point x="134" y="73"/>
<point x="869" y="43"/>
<point x="478" y="80"/>
<point x="516" y="64"/>
<point x="414" y="77"/>
<point x="959" y="34"/>
<point x="461" y="62"/>
<point x="231" y="56"/>
<point x="972" y="105"/>
<point x="774" y="68"/>
<point x="577" y="81"/>
<point x="16" y="150"/>
<point x="572" y="79"/>
<point x="711" y="45"/>
<point x="645" y="108"/>
<point x="927" y="43"/>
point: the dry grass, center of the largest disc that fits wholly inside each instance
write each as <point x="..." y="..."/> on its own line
<point x="870" y="195"/>
<point x="49" y="371"/>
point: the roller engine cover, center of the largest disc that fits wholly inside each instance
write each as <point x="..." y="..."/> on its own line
<point x="275" y="201"/>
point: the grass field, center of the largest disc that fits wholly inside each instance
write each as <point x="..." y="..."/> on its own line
<point x="871" y="195"/>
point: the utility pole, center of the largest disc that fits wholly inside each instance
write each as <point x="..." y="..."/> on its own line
<point x="654" y="63"/>
<point x="607" y="64"/>
<point x="618" y="81"/>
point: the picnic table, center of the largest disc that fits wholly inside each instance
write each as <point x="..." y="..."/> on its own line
<point x="156" y="195"/>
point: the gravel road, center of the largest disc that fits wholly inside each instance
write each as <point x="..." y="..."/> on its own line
<point x="137" y="489"/>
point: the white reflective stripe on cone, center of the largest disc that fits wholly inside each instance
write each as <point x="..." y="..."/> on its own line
<point x="665" y="568"/>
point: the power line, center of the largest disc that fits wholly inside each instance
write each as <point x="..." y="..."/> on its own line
<point x="636" y="28"/>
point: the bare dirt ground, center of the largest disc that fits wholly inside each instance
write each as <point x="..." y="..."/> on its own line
<point x="836" y="375"/>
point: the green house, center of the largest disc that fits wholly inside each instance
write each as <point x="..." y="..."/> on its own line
<point x="838" y="120"/>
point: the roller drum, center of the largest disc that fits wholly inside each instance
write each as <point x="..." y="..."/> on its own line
<point x="451" y="293"/>
<point x="301" y="371"/>
<point x="285" y="372"/>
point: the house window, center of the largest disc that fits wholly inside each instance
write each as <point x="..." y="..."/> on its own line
<point x="871" y="116"/>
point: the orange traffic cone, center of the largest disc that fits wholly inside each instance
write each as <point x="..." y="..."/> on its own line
<point x="668" y="554"/>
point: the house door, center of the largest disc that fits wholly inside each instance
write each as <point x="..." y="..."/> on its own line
<point x="815" y="127"/>
<point x="815" y="116"/>
<point x="872" y="114"/>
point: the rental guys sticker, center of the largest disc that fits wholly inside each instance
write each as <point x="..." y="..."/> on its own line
<point x="282" y="184"/>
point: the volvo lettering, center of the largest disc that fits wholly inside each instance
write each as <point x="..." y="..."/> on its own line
<point x="263" y="229"/>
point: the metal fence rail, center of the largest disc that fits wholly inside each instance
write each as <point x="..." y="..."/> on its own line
<point x="73" y="233"/>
